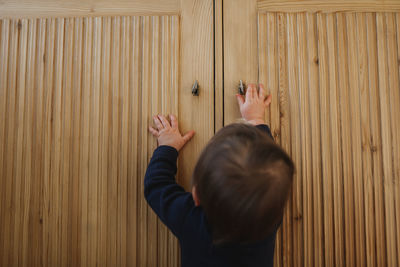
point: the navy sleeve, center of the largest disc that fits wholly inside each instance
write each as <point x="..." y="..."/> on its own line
<point x="168" y="199"/>
<point x="265" y="128"/>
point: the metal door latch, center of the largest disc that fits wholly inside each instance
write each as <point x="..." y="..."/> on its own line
<point x="195" y="88"/>
<point x="241" y="87"/>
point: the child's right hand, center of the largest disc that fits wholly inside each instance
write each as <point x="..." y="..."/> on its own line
<point x="253" y="107"/>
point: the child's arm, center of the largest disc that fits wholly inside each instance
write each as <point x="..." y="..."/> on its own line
<point x="169" y="200"/>
<point x="253" y="106"/>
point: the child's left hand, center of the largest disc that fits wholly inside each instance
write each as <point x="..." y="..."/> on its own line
<point x="168" y="134"/>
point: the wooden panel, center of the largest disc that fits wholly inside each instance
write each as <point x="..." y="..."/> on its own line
<point x="335" y="82"/>
<point x="51" y="8"/>
<point x="240" y="39"/>
<point x="328" y="5"/>
<point x="196" y="112"/>
<point x="77" y="96"/>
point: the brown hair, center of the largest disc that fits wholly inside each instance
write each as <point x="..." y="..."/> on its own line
<point x="242" y="179"/>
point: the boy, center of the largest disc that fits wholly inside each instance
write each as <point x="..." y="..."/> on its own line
<point x="240" y="186"/>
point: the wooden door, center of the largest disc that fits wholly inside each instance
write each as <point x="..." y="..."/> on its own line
<point x="333" y="70"/>
<point x="79" y="83"/>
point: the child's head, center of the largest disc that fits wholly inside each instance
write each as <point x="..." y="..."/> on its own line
<point x="242" y="180"/>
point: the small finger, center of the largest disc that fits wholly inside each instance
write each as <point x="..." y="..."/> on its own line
<point x="153" y="131"/>
<point x="158" y="122"/>
<point x="188" y="136"/>
<point x="174" y="121"/>
<point x="268" y="100"/>
<point x="249" y="92"/>
<point x="261" y="93"/>
<point x="254" y="90"/>
<point x="164" y="121"/>
<point x="240" y="99"/>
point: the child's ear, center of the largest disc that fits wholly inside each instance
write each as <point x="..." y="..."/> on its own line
<point x="195" y="197"/>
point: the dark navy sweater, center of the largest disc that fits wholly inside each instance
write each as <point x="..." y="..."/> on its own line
<point x="175" y="207"/>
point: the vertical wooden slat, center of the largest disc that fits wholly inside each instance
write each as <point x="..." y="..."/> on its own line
<point x="93" y="173"/>
<point x="287" y="241"/>
<point x="376" y="141"/>
<point x="105" y="133"/>
<point x="20" y="157"/>
<point x="133" y="169"/>
<point x="273" y="86"/>
<point x="144" y="121"/>
<point x="4" y="28"/>
<point x="74" y="219"/>
<point x="394" y="100"/>
<point x="4" y="93"/>
<point x="313" y="66"/>
<point x="384" y="96"/>
<point x="85" y="138"/>
<point x="114" y="175"/>
<point x="272" y="82"/>
<point x="28" y="148"/>
<point x="36" y="212"/>
<point x="326" y="148"/>
<point x="65" y="136"/>
<point x="165" y="80"/>
<point x="124" y="78"/>
<point x="155" y="109"/>
<point x="365" y="140"/>
<point x="346" y="140"/>
<point x="263" y="57"/>
<point x="397" y="138"/>
<point x="336" y="150"/>
<point x="218" y="65"/>
<point x="48" y="137"/>
<point x="295" y="139"/>
<point x="55" y="237"/>
<point x="8" y="153"/>
<point x="305" y="123"/>
<point x="173" y="254"/>
<point x="355" y="119"/>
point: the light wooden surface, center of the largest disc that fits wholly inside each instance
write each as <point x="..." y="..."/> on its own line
<point x="218" y="65"/>
<point x="334" y="77"/>
<point x="240" y="51"/>
<point x="344" y="207"/>
<point x="73" y="112"/>
<point x="61" y="8"/>
<point x="326" y="6"/>
<point x="77" y="97"/>
<point x="197" y="63"/>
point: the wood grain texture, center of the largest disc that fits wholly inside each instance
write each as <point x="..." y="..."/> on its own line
<point x="295" y="144"/>
<point x="387" y="141"/>
<point x="197" y="63"/>
<point x="335" y="128"/>
<point x="335" y="80"/>
<point x="240" y="43"/>
<point x="219" y="65"/>
<point x="376" y="140"/>
<point x="313" y="60"/>
<point x="327" y="6"/>
<point x="80" y="93"/>
<point x="49" y="8"/>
